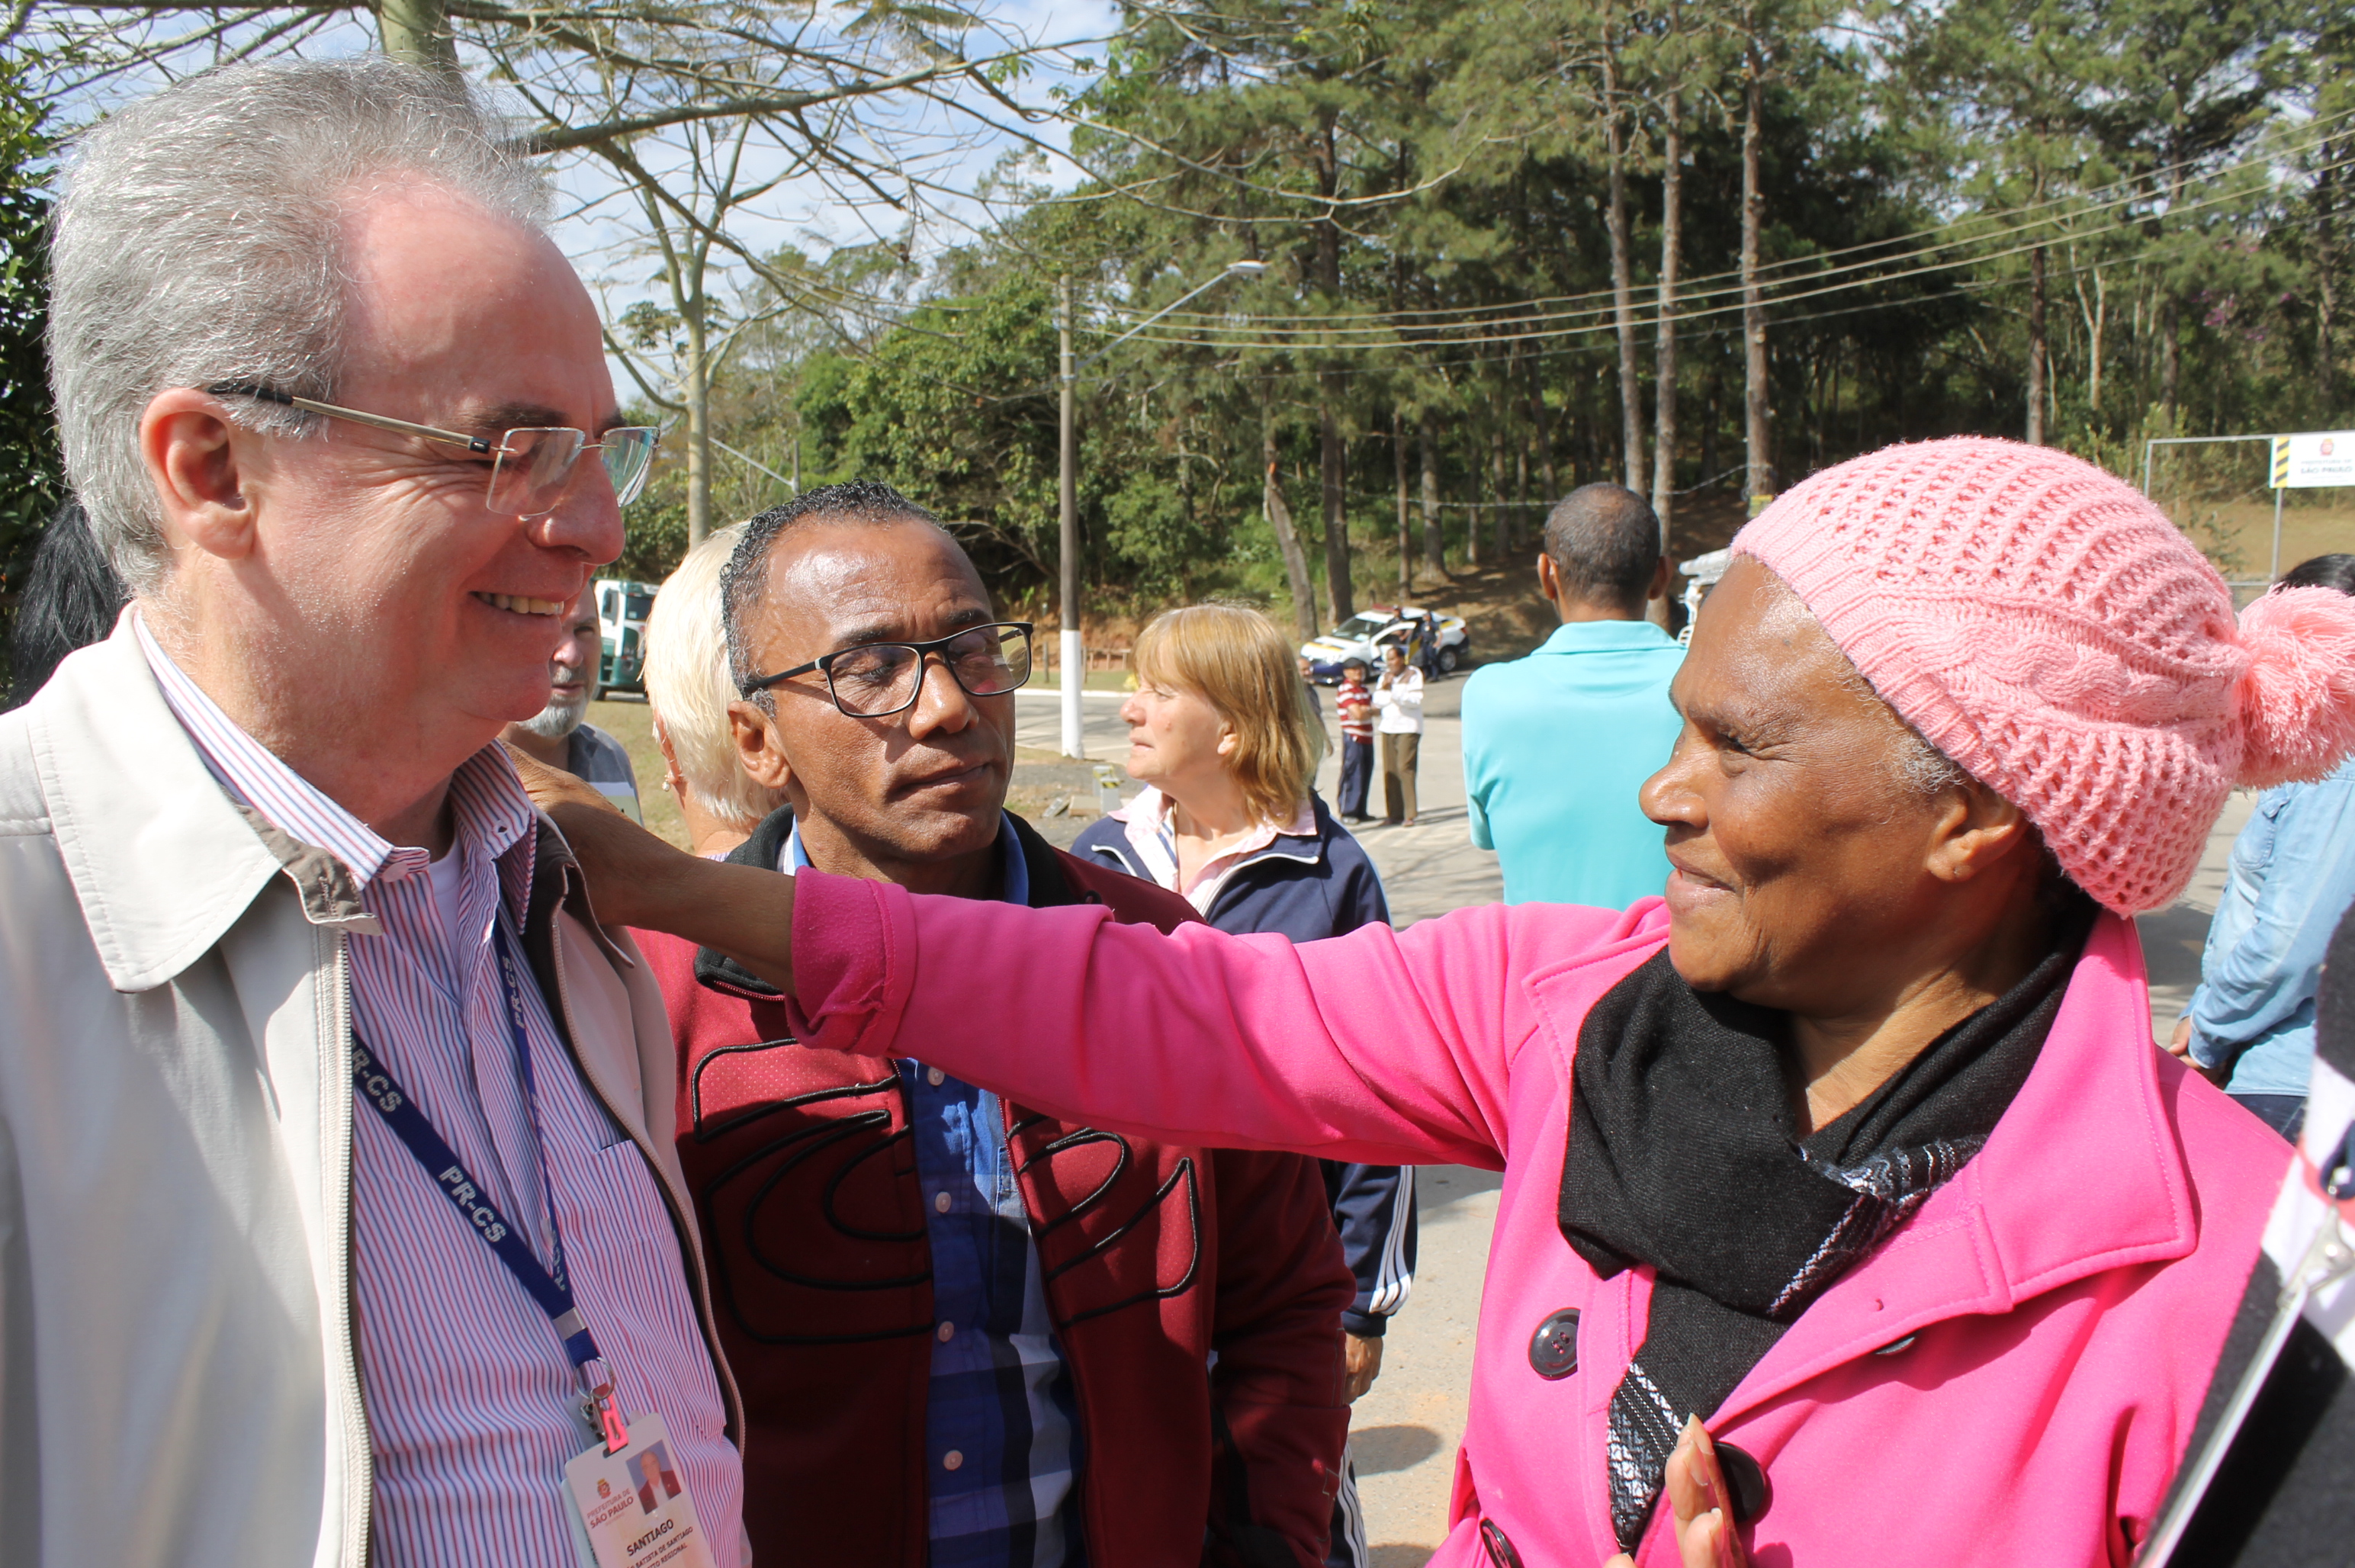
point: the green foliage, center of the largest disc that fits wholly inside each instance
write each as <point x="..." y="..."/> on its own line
<point x="1426" y="183"/>
<point x="31" y="473"/>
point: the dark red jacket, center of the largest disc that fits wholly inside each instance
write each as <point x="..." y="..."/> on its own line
<point x="1153" y="1257"/>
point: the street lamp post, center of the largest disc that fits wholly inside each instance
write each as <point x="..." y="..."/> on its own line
<point x="1075" y="660"/>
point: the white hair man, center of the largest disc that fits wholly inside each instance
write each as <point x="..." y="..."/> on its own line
<point x="340" y="1208"/>
<point x="560" y="734"/>
<point x="689" y="688"/>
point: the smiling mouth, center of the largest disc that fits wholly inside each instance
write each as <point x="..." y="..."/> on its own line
<point x="1696" y="879"/>
<point x="520" y="605"/>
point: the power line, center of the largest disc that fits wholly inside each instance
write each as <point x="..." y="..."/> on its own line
<point x="1595" y="302"/>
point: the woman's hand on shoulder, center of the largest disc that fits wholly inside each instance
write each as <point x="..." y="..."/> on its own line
<point x="635" y="879"/>
<point x="1698" y="1502"/>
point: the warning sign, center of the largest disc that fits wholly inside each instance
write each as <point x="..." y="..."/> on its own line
<point x="2313" y="460"/>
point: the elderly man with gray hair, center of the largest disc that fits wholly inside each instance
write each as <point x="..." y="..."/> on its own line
<point x="339" y="1216"/>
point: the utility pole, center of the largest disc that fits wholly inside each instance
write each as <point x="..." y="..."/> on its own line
<point x="1075" y="659"/>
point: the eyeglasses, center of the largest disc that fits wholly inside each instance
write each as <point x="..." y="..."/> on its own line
<point x="875" y="680"/>
<point x="532" y="465"/>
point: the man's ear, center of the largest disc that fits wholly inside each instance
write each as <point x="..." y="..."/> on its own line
<point x="1549" y="579"/>
<point x="1662" y="576"/>
<point x="757" y="750"/>
<point x="198" y="462"/>
<point x="1976" y="831"/>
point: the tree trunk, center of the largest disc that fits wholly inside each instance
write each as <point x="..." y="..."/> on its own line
<point x="1520" y="511"/>
<point x="1478" y="473"/>
<point x="2326" y="243"/>
<point x="2170" y="363"/>
<point x="418" y="31"/>
<point x="1623" y="301"/>
<point x="1333" y="458"/>
<point x="1541" y="420"/>
<point x="1340" y="600"/>
<point x="2038" y="351"/>
<point x="698" y="409"/>
<point x="1405" y="544"/>
<point x="2096" y="318"/>
<point x="1708" y="429"/>
<point x="1287" y="536"/>
<point x="1501" y="512"/>
<point x="1755" y="436"/>
<point x="1435" y="542"/>
<point x="1663" y="365"/>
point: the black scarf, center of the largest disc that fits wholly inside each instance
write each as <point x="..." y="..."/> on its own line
<point x="1682" y="1155"/>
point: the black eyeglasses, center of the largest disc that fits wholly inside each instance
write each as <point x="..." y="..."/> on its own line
<point x="875" y="680"/>
<point x="532" y="466"/>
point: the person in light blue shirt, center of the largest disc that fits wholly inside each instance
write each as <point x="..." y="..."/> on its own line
<point x="2250" y="1024"/>
<point x="1557" y="744"/>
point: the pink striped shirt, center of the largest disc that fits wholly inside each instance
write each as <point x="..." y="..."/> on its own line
<point x="472" y="1407"/>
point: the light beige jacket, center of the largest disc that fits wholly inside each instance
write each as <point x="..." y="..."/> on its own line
<point x="178" y="1378"/>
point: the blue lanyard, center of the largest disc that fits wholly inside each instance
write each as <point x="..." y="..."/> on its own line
<point x="549" y="1288"/>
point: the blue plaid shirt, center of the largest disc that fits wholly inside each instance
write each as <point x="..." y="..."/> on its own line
<point x="1000" y="1439"/>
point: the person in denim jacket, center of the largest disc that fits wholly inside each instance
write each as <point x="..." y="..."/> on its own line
<point x="2250" y="1024"/>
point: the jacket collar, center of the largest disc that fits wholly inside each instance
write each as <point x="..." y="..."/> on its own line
<point x="162" y="860"/>
<point x="2083" y="1174"/>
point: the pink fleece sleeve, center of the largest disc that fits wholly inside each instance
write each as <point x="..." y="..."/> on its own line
<point x="1377" y="1047"/>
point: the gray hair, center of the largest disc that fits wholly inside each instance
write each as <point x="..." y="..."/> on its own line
<point x="689" y="688"/>
<point x="200" y="240"/>
<point x="1915" y="764"/>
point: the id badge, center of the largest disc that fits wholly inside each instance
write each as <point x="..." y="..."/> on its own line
<point x="633" y="1507"/>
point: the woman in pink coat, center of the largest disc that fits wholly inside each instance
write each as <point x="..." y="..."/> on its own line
<point x="1849" y="1167"/>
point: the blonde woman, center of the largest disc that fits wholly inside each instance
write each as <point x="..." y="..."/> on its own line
<point x="1225" y="736"/>
<point x="688" y="689"/>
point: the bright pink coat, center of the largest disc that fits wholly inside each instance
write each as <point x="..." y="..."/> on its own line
<point x="2011" y="1378"/>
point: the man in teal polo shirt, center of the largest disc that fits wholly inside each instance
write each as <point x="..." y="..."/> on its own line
<point x="1556" y="744"/>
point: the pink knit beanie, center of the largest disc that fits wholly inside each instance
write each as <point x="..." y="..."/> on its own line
<point x="2045" y="626"/>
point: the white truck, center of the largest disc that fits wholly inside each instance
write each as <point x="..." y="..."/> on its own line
<point x="1364" y="635"/>
<point x="622" y="610"/>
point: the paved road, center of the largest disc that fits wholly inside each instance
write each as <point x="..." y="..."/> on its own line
<point x="1405" y="1432"/>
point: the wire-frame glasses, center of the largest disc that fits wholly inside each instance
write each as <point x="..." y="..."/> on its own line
<point x="531" y="465"/>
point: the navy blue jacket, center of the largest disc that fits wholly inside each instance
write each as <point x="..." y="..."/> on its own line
<point x="1309" y="889"/>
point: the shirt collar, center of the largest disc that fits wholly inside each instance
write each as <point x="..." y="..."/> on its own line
<point x="1013" y="870"/>
<point x="491" y="810"/>
<point x="1145" y="820"/>
<point x="1604" y="636"/>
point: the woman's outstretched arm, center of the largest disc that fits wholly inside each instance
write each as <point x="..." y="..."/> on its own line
<point x="1377" y="1048"/>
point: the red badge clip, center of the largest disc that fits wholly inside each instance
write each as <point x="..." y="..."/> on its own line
<point x="609" y="1420"/>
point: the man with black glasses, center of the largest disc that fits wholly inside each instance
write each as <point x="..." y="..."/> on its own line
<point x="344" y="1224"/>
<point x="970" y="1333"/>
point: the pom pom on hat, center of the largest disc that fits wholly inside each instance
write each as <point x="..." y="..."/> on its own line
<point x="2297" y="696"/>
<point x="2045" y="626"/>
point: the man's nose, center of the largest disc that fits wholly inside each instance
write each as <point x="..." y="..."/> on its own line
<point x="587" y="523"/>
<point x="940" y="703"/>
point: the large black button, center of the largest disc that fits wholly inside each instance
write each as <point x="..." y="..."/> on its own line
<point x="1553" y="1348"/>
<point x="1745" y="1478"/>
<point x="1500" y="1551"/>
